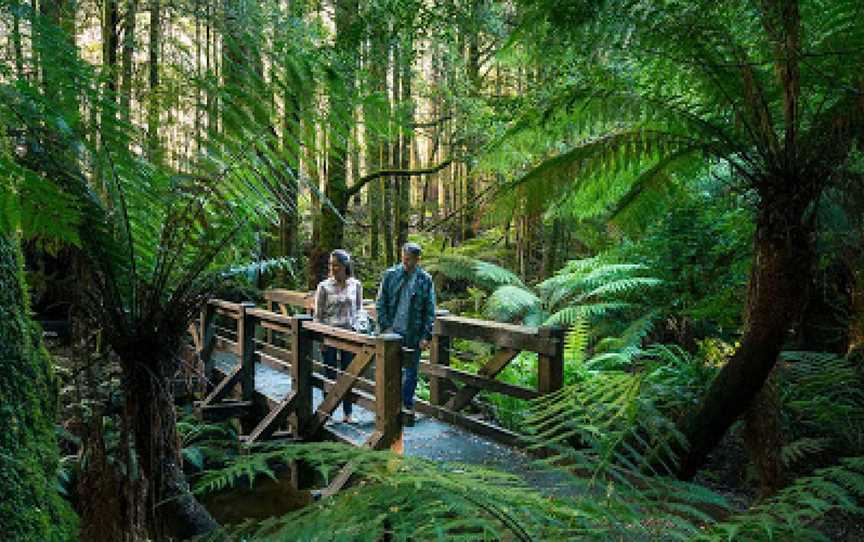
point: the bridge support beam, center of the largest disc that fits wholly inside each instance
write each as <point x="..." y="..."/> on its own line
<point x="301" y="374"/>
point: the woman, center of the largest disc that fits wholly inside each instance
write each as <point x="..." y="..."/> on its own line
<point x="338" y="299"/>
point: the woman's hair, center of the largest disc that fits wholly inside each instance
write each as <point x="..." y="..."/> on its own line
<point x="344" y="258"/>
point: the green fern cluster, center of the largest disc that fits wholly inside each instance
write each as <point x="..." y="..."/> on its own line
<point x="822" y="401"/>
<point x="588" y="289"/>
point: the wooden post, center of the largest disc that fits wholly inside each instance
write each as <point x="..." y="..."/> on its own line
<point x="246" y="343"/>
<point x="269" y="332"/>
<point x="301" y="373"/>
<point x="550" y="375"/>
<point x="388" y="391"/>
<point x="440" y="389"/>
<point x="208" y="343"/>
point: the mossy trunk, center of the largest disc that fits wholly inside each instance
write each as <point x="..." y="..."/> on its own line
<point x="30" y="507"/>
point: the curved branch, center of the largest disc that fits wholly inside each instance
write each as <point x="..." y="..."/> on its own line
<point x="366" y="179"/>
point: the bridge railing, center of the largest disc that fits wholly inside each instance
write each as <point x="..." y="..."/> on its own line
<point x="447" y="401"/>
<point x="285" y="343"/>
<point x="451" y="390"/>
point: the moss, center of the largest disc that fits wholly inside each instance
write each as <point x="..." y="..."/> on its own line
<point x="30" y="506"/>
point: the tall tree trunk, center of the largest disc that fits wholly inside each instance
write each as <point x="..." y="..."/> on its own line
<point x="377" y="62"/>
<point x="389" y="247"/>
<point x="153" y="106"/>
<point x="396" y="150"/>
<point x="469" y="210"/>
<point x="406" y="141"/>
<point x="127" y="59"/>
<point x="16" y="41"/>
<point x="340" y="117"/>
<point x="291" y="136"/>
<point x="783" y="260"/>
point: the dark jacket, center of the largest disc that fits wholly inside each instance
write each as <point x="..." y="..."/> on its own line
<point x="421" y="315"/>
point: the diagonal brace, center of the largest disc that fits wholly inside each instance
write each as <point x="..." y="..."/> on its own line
<point x="490" y="370"/>
<point x="343" y="384"/>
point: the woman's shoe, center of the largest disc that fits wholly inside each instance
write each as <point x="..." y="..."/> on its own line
<point x="348" y="419"/>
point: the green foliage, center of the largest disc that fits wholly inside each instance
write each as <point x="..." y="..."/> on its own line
<point x="792" y="512"/>
<point x="30" y="505"/>
<point x="822" y="403"/>
<point x="602" y="490"/>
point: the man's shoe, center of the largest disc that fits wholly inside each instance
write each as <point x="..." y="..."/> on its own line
<point x="348" y="419"/>
<point x="408" y="418"/>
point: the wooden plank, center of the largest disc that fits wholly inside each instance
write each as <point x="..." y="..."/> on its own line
<point x="227" y="345"/>
<point x="225" y="305"/>
<point x="362" y="383"/>
<point x="224" y="387"/>
<point x="343" y="384"/>
<point x="344" y="345"/>
<point x="479" y="427"/>
<point x="489" y="371"/>
<point x="363" y="398"/>
<point x="260" y="398"/>
<point x="478" y="381"/>
<point x="208" y="342"/>
<point x="276" y="352"/>
<point x="502" y="335"/>
<point x="348" y="474"/>
<point x="302" y="300"/>
<point x="339" y="333"/>
<point x="440" y="388"/>
<point x="388" y="389"/>
<point x="276" y="363"/>
<point x="271" y="327"/>
<point x="272" y="318"/>
<point x="225" y="410"/>
<point x="271" y="422"/>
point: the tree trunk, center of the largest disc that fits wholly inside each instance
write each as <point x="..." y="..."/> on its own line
<point x="783" y="259"/>
<point x="377" y="66"/>
<point x="171" y="510"/>
<point x="153" y="152"/>
<point x="763" y="438"/>
<point x="16" y="41"/>
<point x="127" y="58"/>
<point x="405" y="141"/>
<point x="341" y="115"/>
<point x="289" y="219"/>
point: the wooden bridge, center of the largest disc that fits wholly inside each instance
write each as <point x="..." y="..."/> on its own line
<point x="267" y="354"/>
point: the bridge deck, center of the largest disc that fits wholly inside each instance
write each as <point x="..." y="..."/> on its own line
<point x="429" y="438"/>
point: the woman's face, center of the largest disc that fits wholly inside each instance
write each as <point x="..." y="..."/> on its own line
<point x="337" y="270"/>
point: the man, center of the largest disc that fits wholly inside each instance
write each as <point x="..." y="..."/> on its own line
<point x="406" y="306"/>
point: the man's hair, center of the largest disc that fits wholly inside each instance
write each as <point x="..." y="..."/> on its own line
<point x="412" y="248"/>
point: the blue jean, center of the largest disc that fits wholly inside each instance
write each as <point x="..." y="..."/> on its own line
<point x="329" y="355"/>
<point x="410" y="365"/>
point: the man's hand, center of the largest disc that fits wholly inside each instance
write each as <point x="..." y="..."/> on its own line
<point x="424" y="344"/>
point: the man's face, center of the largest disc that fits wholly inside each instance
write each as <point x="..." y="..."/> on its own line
<point x="409" y="261"/>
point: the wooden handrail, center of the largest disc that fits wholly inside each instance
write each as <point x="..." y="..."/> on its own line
<point x="504" y="335"/>
<point x="339" y="333"/>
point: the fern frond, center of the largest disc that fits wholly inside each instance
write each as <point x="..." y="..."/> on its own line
<point x="511" y="303"/>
